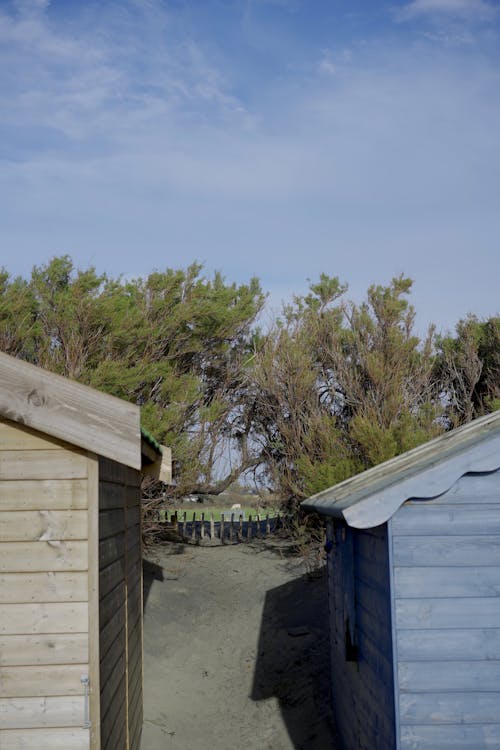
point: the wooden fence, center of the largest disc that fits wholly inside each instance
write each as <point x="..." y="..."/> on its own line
<point x="201" y="528"/>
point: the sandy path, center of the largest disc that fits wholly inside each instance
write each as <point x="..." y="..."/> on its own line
<point x="236" y="651"/>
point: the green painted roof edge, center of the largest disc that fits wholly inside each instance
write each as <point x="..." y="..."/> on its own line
<point x="150" y="440"/>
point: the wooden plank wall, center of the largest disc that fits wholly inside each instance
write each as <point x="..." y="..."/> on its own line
<point x="43" y="592"/>
<point x="362" y="682"/>
<point x="446" y="556"/>
<point x="120" y="582"/>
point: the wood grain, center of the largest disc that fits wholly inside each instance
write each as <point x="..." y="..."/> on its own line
<point x="44" y="739"/>
<point x="69" y="411"/>
<point x="460" y="551"/>
<point x="43" y="525"/>
<point x="414" y="520"/>
<point x="47" y="494"/>
<point x="447" y="613"/>
<point x="19" y="557"/>
<point x="438" y="645"/>
<point x="448" y="676"/>
<point x="63" y="680"/>
<point x="446" y="582"/>
<point x="27" y="713"/>
<point x="29" y="650"/>
<point x="16" y="619"/>
<point x="15" y="436"/>
<point x="42" y="464"/>
<point x="20" y="588"/>
<point x="450" y="737"/>
<point x="449" y="708"/>
<point x="94" y="621"/>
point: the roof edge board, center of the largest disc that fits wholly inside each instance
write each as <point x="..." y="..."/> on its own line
<point x="449" y="443"/>
<point x="374" y="505"/>
<point x="70" y="411"/>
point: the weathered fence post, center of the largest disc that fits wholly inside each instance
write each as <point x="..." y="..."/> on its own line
<point x="212" y="526"/>
<point x="249" y="528"/>
<point x="202" y="528"/>
<point x="222" y="528"/>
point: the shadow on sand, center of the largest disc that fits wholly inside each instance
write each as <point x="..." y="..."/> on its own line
<point x="153" y="572"/>
<point x="293" y="661"/>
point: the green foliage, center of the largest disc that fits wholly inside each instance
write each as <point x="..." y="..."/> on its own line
<point x="174" y="343"/>
<point x="332" y="388"/>
<point x="469" y="364"/>
<point x="343" y="387"/>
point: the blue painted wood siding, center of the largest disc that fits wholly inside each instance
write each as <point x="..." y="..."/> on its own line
<point x="363" y="695"/>
<point x="446" y="582"/>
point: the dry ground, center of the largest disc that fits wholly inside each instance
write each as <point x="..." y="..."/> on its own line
<point x="235" y="651"/>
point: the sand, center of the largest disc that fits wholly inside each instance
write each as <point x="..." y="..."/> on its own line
<point x="235" y="650"/>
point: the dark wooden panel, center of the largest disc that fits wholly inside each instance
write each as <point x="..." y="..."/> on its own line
<point x="111" y="576"/>
<point x="133" y="495"/>
<point x="133" y="516"/>
<point x="113" y="721"/>
<point x="109" y="660"/>
<point x="133" y="537"/>
<point x="110" y="604"/>
<point x="111" y="549"/>
<point x="114" y="689"/>
<point x="117" y="473"/>
<point x="111" y="496"/>
<point x="363" y="696"/>
<point x="112" y="629"/>
<point x="111" y="523"/>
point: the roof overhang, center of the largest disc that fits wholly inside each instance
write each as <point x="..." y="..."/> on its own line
<point x="70" y="411"/>
<point x="372" y="497"/>
<point x="156" y="459"/>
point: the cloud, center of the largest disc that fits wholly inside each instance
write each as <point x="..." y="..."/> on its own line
<point x="476" y="10"/>
<point x="111" y="73"/>
<point x="125" y="130"/>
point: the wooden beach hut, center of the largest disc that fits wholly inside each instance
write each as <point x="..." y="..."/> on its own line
<point x="414" y="590"/>
<point x="70" y="564"/>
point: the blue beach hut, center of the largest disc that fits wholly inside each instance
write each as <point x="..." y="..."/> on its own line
<point x="414" y="592"/>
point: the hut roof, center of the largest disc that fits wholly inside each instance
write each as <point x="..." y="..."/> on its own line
<point x="70" y="411"/>
<point x="372" y="497"/>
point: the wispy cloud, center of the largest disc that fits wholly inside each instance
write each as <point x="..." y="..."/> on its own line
<point x="476" y="10"/>
<point x="85" y="82"/>
<point x="124" y="127"/>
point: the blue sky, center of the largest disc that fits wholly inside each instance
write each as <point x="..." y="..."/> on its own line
<point x="276" y="138"/>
